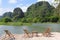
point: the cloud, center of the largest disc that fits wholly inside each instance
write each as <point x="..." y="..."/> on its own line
<point x="45" y="0"/>
<point x="39" y="0"/>
<point x="50" y="1"/>
<point x="24" y="8"/>
<point x="12" y="1"/>
<point x="3" y="10"/>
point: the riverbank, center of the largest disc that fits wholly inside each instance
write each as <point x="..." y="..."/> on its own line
<point x="55" y="36"/>
<point x="21" y="24"/>
<point x="15" y="23"/>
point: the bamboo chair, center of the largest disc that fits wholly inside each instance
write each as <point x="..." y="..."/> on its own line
<point x="26" y="33"/>
<point x="35" y="33"/>
<point x="8" y="35"/>
<point x="47" y="32"/>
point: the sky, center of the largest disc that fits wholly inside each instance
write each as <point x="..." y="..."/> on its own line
<point x="9" y="5"/>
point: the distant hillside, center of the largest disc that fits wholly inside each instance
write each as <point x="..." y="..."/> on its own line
<point x="40" y="9"/>
<point x="57" y="10"/>
<point x="39" y="12"/>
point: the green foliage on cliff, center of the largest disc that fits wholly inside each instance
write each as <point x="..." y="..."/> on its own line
<point x="39" y="12"/>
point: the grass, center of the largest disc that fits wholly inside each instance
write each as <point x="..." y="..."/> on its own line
<point x="20" y="23"/>
<point x="14" y="23"/>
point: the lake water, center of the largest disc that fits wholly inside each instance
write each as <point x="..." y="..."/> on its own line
<point x="37" y="27"/>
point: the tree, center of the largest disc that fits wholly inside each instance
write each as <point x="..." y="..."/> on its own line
<point x="58" y="8"/>
<point x="7" y="20"/>
<point x="54" y="19"/>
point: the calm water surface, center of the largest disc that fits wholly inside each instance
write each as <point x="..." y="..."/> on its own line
<point x="37" y="27"/>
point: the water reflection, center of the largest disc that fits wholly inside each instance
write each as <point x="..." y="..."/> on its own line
<point x="38" y="27"/>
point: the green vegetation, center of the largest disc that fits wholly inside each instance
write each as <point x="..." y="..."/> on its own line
<point x="41" y="12"/>
<point x="15" y="23"/>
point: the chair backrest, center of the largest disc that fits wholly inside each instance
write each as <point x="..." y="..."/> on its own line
<point x="7" y="32"/>
<point x="48" y="30"/>
<point x="26" y="31"/>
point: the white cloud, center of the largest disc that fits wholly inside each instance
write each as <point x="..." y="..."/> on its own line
<point x="46" y="0"/>
<point x="12" y="1"/>
<point x="3" y="10"/>
<point x="39" y="0"/>
<point x="24" y="8"/>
